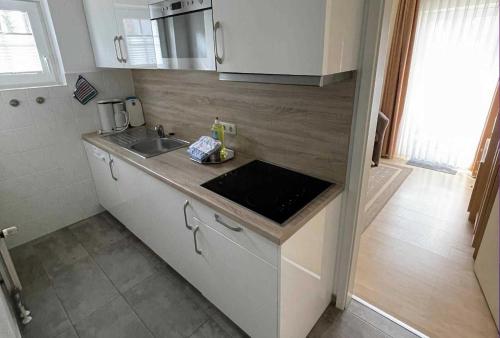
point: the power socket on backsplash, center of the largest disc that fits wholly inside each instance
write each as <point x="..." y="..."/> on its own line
<point x="229" y="128"/>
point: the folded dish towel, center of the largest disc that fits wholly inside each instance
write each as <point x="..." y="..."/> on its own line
<point x="203" y="148"/>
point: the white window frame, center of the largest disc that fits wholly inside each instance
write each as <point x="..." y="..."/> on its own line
<point x="43" y="32"/>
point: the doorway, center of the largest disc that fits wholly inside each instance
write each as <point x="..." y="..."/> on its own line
<point x="415" y="256"/>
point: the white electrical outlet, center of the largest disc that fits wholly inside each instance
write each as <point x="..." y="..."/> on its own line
<point x="229" y="128"/>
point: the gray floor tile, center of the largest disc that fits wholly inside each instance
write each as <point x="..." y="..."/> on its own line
<point x="167" y="307"/>
<point x="30" y="269"/>
<point x="225" y="323"/>
<point x="384" y="324"/>
<point x="125" y="262"/>
<point x="83" y="288"/>
<point x="325" y="322"/>
<point x="151" y="256"/>
<point x="99" y="231"/>
<point x="58" y="250"/>
<point x="49" y="317"/>
<point x="114" y="320"/>
<point x="350" y="326"/>
<point x="331" y="313"/>
<point x="211" y="330"/>
<point x="69" y="333"/>
<point x="188" y="291"/>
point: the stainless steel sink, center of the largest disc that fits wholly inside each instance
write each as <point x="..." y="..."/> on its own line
<point x="145" y="142"/>
<point x="149" y="148"/>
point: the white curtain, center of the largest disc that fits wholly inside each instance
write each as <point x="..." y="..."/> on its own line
<point x="452" y="79"/>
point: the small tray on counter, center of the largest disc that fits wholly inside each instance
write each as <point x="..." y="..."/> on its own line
<point x="230" y="156"/>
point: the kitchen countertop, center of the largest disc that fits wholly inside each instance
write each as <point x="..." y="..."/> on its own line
<point x="176" y="169"/>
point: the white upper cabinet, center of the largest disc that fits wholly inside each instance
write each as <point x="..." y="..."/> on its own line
<point x="135" y="30"/>
<point x="269" y="37"/>
<point x="120" y="32"/>
<point x="281" y="37"/>
<point x="103" y="32"/>
<point x="293" y="37"/>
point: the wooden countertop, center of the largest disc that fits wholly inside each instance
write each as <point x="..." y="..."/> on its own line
<point x="175" y="168"/>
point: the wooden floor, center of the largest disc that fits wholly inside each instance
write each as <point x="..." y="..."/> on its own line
<point x="415" y="259"/>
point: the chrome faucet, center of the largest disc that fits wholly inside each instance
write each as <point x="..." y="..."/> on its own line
<point x="159" y="130"/>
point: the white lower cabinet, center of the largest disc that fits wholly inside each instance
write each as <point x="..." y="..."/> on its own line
<point x="102" y="172"/>
<point x="244" y="274"/>
<point x="153" y="211"/>
<point x="240" y="284"/>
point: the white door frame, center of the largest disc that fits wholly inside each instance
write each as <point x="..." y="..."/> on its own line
<point x="370" y="79"/>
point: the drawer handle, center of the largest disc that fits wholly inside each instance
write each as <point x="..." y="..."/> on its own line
<point x="198" y="251"/>
<point x="220" y="221"/>
<point x="111" y="161"/>
<point x="185" y="215"/>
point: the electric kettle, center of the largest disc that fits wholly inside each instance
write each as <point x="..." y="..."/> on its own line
<point x="112" y="116"/>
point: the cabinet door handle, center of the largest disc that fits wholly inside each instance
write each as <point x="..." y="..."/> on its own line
<point x="111" y="161"/>
<point x="198" y="251"/>
<point x="115" y="40"/>
<point x="185" y="215"/>
<point x="218" y="58"/>
<point x="220" y="221"/>
<point x="120" y="39"/>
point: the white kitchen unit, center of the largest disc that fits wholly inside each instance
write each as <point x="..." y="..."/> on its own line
<point x="121" y="33"/>
<point x="104" y="174"/>
<point x="269" y="290"/>
<point x="290" y="37"/>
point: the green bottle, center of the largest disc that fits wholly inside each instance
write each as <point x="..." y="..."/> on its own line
<point x="218" y="134"/>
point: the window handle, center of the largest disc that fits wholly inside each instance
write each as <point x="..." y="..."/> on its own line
<point x="115" y="40"/>
<point x="124" y="58"/>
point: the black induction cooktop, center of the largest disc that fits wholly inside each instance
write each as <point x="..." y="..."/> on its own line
<point x="274" y="192"/>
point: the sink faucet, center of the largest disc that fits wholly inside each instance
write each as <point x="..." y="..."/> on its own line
<point x="159" y="129"/>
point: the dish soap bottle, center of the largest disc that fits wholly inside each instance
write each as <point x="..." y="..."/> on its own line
<point x="218" y="134"/>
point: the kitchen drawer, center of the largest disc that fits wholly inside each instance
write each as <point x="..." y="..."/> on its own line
<point x="253" y="242"/>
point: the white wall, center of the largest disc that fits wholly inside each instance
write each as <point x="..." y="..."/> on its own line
<point x="72" y="35"/>
<point x="45" y="181"/>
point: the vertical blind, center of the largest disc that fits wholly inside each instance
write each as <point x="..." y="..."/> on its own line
<point x="453" y="75"/>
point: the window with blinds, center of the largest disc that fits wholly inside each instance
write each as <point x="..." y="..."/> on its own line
<point x="27" y="56"/>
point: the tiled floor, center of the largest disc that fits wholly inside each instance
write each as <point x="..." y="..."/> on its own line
<point x="95" y="279"/>
<point x="415" y="259"/>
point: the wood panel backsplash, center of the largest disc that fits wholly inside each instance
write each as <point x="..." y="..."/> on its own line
<point x="299" y="127"/>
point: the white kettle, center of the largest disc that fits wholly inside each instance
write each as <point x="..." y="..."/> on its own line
<point x="112" y="116"/>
